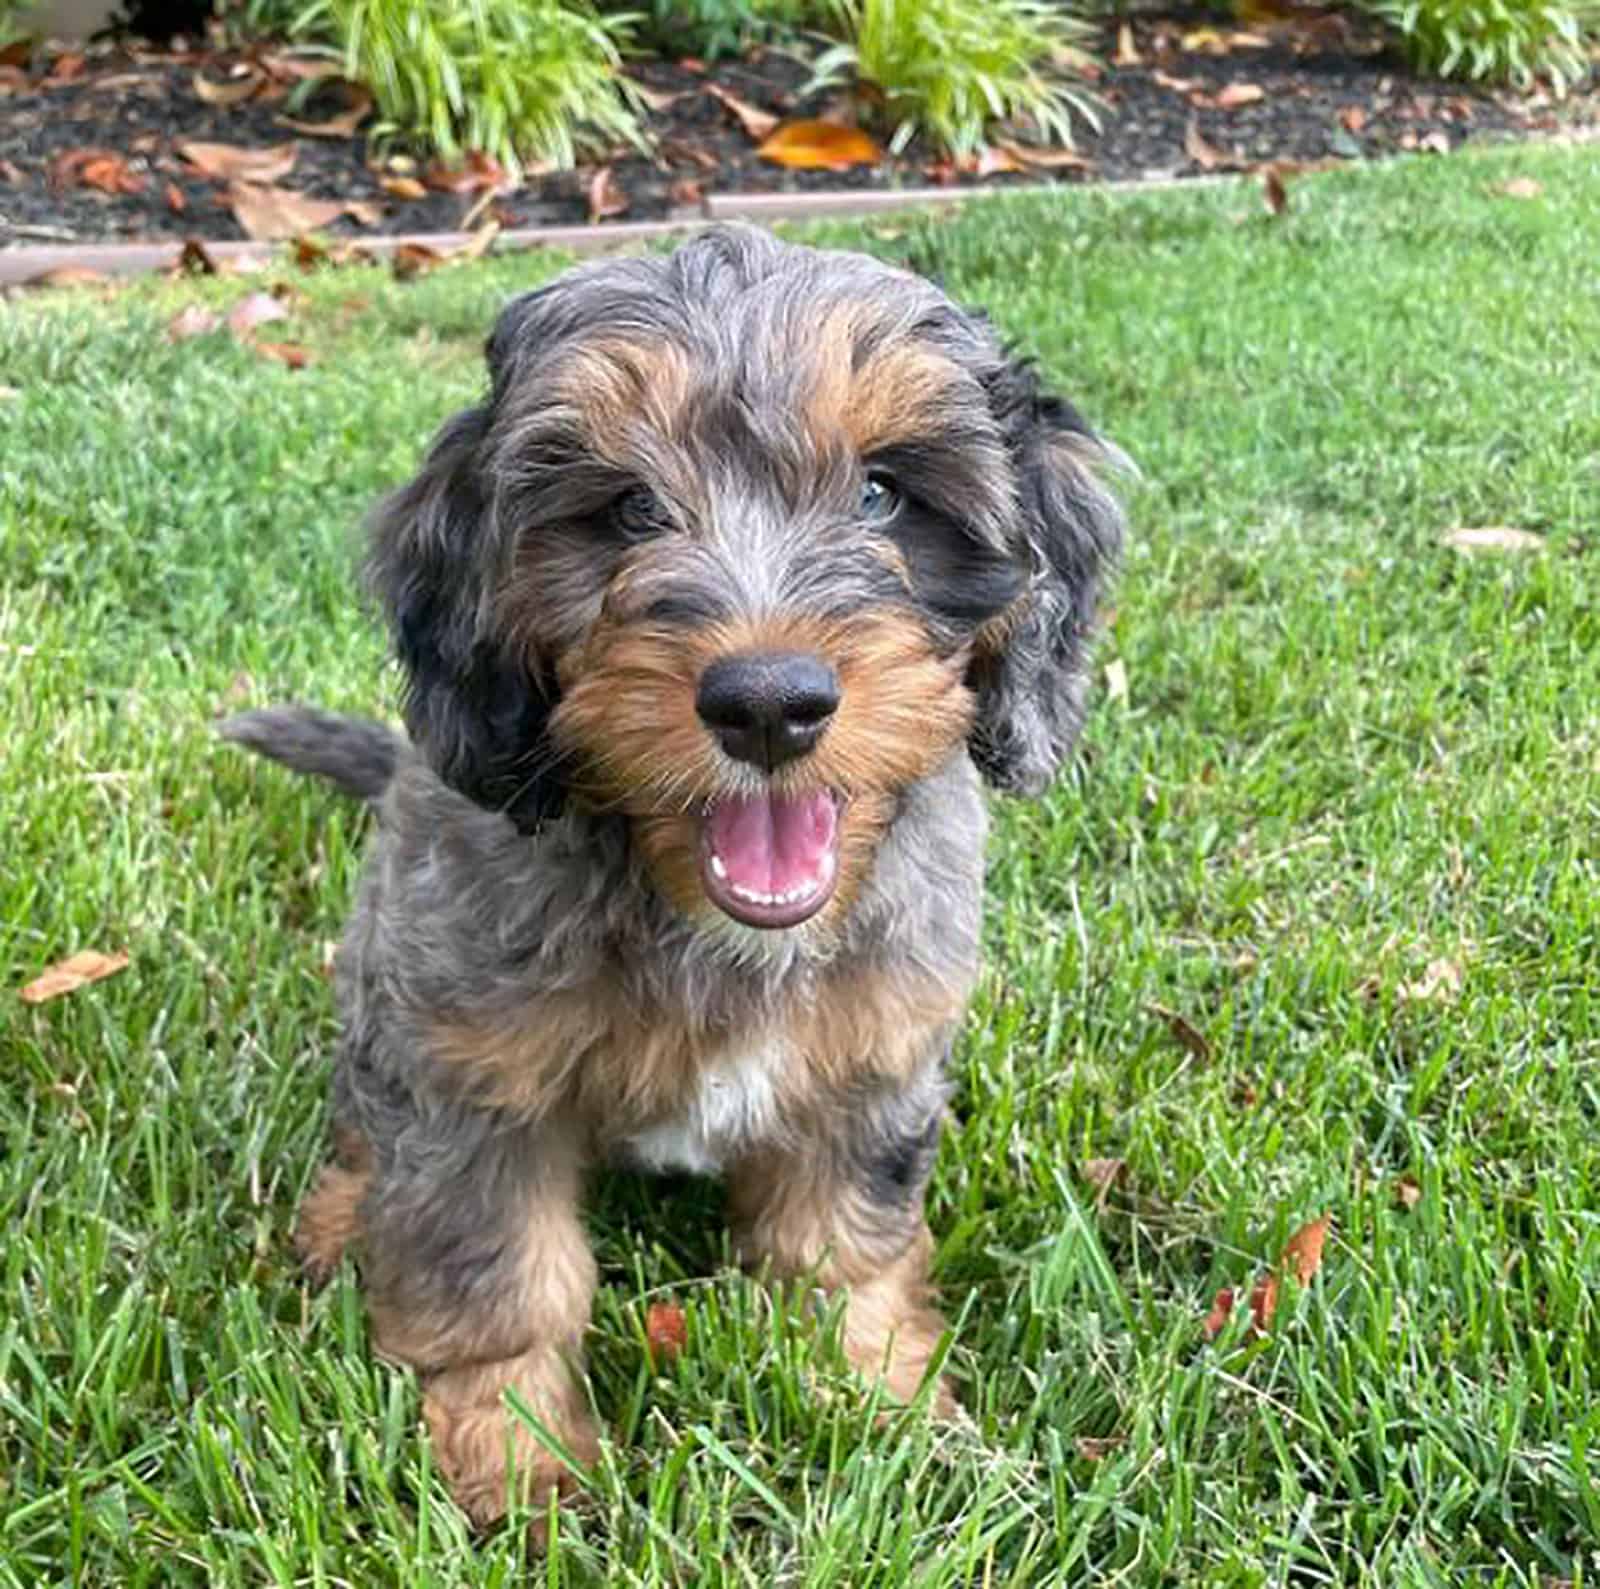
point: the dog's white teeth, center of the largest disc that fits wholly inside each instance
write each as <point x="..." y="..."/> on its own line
<point x="718" y="869"/>
<point x="755" y="896"/>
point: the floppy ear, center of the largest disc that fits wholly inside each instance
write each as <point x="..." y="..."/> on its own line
<point x="477" y="714"/>
<point x="1028" y="665"/>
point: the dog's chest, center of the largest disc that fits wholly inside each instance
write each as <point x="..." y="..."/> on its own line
<point x="733" y="1107"/>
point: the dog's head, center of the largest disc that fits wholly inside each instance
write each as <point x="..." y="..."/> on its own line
<point x="742" y="543"/>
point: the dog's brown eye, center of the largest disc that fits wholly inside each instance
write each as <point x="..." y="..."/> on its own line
<point x="880" y="496"/>
<point x="639" y="513"/>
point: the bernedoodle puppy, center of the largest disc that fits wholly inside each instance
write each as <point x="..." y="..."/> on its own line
<point x="752" y="565"/>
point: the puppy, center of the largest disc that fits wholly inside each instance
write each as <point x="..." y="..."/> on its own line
<point x="754" y="563"/>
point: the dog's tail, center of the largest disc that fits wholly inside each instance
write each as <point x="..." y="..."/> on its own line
<point x="354" y="754"/>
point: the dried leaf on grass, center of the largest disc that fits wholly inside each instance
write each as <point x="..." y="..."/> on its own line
<point x="226" y="162"/>
<point x="1274" y="194"/>
<point x="1440" y="983"/>
<point x="255" y="310"/>
<point x="1189" y="1036"/>
<point x="193" y="320"/>
<point x="757" y="123"/>
<point x="290" y="353"/>
<point x="76" y="971"/>
<point x="68" y="276"/>
<point x="1096" y="1448"/>
<point x="666" y="1331"/>
<point x="1302" y="1257"/>
<point x="1408" y="1192"/>
<point x="1519" y="188"/>
<point x="1116" y="680"/>
<point x="1497" y="538"/>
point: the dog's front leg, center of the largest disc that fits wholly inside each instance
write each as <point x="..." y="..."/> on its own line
<point x="844" y="1210"/>
<point x="479" y="1276"/>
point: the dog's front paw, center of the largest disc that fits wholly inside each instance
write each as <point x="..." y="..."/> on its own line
<point x="474" y="1442"/>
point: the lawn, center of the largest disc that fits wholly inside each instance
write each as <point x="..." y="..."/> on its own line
<point x="1313" y="929"/>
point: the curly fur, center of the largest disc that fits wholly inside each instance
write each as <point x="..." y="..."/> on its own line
<point x="533" y="983"/>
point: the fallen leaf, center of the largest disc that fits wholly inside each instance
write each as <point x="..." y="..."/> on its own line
<point x="476" y="172"/>
<point x="1353" y="118"/>
<point x="290" y="353"/>
<point x="67" y="276"/>
<point x="76" y="971"/>
<point x="66" y="68"/>
<point x="1302" y="1256"/>
<point x="193" y="320"/>
<point x="341" y="126"/>
<point x="109" y="173"/>
<point x="605" y="197"/>
<point x="16" y="53"/>
<point x="403" y="187"/>
<point x="1435" y="142"/>
<point x="226" y="162"/>
<point x="1273" y="191"/>
<point x="1408" y="1192"/>
<point x="1216" y="1321"/>
<point x="1233" y="95"/>
<point x="995" y="160"/>
<point x="1190" y="1038"/>
<point x="686" y="191"/>
<point x="656" y="99"/>
<point x="758" y="124"/>
<point x="12" y="173"/>
<point x="255" y="310"/>
<point x="1116" y="680"/>
<point x="1519" y="188"/>
<point x="1178" y="85"/>
<point x="1126" y="54"/>
<point x="1045" y="159"/>
<point x="1263" y="1303"/>
<point x="1241" y="40"/>
<point x="477" y="245"/>
<point x="176" y="202"/>
<point x="1203" y="41"/>
<point x="1101" y="1173"/>
<point x="1096" y="1448"/>
<point x="1205" y="155"/>
<point x="1440" y="981"/>
<point x="270" y="214"/>
<point x="103" y="169"/>
<point x="414" y="259"/>
<point x="231" y="93"/>
<point x="295" y="68"/>
<point x="666" y="1331"/>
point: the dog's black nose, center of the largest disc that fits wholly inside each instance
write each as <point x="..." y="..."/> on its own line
<point x="767" y="707"/>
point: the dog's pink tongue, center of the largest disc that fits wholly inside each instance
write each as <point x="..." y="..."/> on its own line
<point x="773" y="846"/>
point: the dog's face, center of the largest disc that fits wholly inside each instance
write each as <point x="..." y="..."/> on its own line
<point x="743" y="543"/>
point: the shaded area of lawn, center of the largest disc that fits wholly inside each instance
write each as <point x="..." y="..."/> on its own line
<point x="1346" y="754"/>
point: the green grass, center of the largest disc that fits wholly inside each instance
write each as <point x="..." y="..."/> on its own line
<point x="1345" y="752"/>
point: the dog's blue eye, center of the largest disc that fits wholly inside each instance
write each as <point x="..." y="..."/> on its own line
<point x="639" y="513"/>
<point x="880" y="497"/>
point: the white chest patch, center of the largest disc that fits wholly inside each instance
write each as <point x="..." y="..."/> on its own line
<point x="734" y="1106"/>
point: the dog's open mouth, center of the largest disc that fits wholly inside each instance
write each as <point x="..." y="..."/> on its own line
<point x="771" y="860"/>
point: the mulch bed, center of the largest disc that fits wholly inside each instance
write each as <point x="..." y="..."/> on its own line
<point x="89" y="143"/>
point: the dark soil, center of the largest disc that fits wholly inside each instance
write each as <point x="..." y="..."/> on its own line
<point x="1328" y="90"/>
